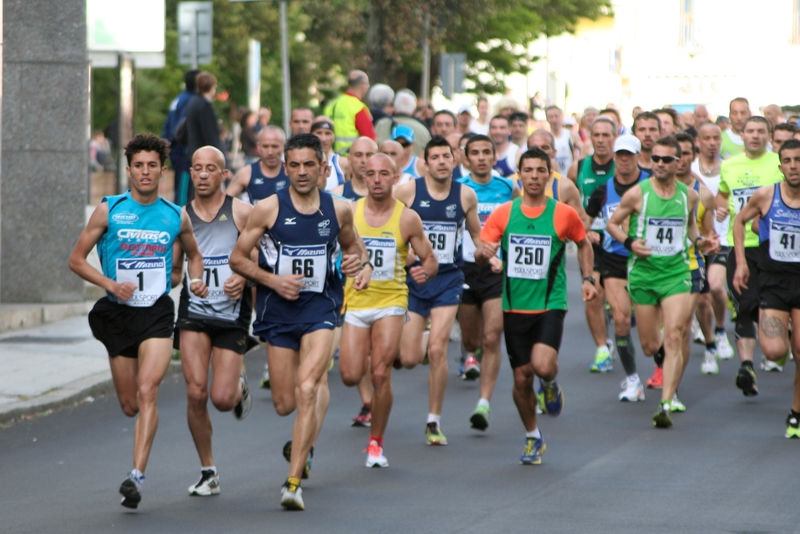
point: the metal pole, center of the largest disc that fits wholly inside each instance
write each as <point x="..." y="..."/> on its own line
<point x="287" y="103"/>
<point x="195" y="33"/>
<point x="426" y="60"/>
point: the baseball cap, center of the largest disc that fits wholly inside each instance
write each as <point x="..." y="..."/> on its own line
<point x="628" y="143"/>
<point x="403" y="131"/>
<point x="464" y="109"/>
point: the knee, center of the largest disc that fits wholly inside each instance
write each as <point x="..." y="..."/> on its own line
<point x="225" y="402"/>
<point x="380" y="376"/>
<point x="349" y="377"/>
<point x="129" y="407"/>
<point x="622" y="324"/>
<point x="491" y="341"/>
<point x="674" y="338"/>
<point x="307" y="392"/>
<point x="283" y="406"/>
<point x="650" y="346"/>
<point x="197" y="396"/>
<point x="147" y="393"/>
<point x="523" y="379"/>
<point x="437" y="353"/>
<point x="547" y="370"/>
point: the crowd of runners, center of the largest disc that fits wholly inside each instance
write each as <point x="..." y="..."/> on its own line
<point x="371" y="255"/>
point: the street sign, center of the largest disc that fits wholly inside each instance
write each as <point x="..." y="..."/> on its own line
<point x="452" y="71"/>
<point x="195" y="29"/>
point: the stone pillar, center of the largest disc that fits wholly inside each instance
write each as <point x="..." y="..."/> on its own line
<point x="44" y="176"/>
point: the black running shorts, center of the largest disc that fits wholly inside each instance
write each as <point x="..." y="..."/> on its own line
<point x="480" y="284"/>
<point x="123" y="328"/>
<point x="524" y="330"/>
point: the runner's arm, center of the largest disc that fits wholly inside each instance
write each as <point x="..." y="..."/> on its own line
<point x="355" y="258"/>
<point x="572" y="173"/>
<point x="240" y="181"/>
<point x="177" y="264"/>
<point x="194" y="256"/>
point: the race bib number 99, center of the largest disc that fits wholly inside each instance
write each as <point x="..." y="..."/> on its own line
<point x="784" y="242"/>
<point x="149" y="275"/>
<point x="665" y="236"/>
<point x="382" y="253"/>
<point x="442" y="236"/>
<point x="528" y="256"/>
<point x="311" y="261"/>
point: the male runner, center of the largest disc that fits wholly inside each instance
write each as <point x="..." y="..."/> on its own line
<point x="443" y="123"/>
<point x="337" y="167"/>
<point x="375" y="316"/>
<point x="567" y="142"/>
<point x="499" y="130"/>
<point x="301" y="119"/>
<point x="480" y="313"/>
<point x="213" y="329"/>
<point x="740" y="177"/>
<point x="658" y="214"/>
<point x="781" y="133"/>
<point x="670" y="121"/>
<point x="266" y="176"/>
<point x="707" y="167"/>
<point x="588" y="174"/>
<point x="647" y="127"/>
<point x="560" y="189"/>
<point x="134" y="233"/>
<point x="732" y="141"/>
<point x="778" y="206"/>
<point x="518" y="128"/>
<point x="444" y="206"/>
<point x="532" y="231"/>
<point x="603" y="202"/>
<point x="300" y="231"/>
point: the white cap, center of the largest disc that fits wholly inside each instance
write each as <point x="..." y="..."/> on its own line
<point x="569" y="120"/>
<point x="464" y="109"/>
<point x="628" y="143"/>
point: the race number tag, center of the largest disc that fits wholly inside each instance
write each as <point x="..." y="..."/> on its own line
<point x="528" y="256"/>
<point x="665" y="236"/>
<point x="598" y="225"/>
<point x="442" y="236"/>
<point x="149" y="275"/>
<point x="382" y="253"/>
<point x="784" y="242"/>
<point x="216" y="272"/>
<point x="742" y="197"/>
<point x="311" y="261"/>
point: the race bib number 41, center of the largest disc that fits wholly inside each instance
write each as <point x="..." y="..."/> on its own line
<point x="528" y="256"/>
<point x="149" y="275"/>
<point x="784" y="242"/>
<point x="310" y="261"/>
<point x="442" y="236"/>
<point x="665" y="236"/>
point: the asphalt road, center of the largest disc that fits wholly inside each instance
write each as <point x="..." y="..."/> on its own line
<point x="724" y="466"/>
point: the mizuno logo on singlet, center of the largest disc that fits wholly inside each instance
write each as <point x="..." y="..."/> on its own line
<point x="289" y="220"/>
<point x="424" y="203"/>
<point x="259" y="181"/>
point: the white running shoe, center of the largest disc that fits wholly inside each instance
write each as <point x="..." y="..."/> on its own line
<point x="632" y="389"/>
<point x="292" y="497"/>
<point x="375" y="457"/>
<point x="770" y="366"/>
<point x="697" y="333"/>
<point x="724" y="349"/>
<point x="208" y="484"/>
<point x="241" y="410"/>
<point x="710" y="365"/>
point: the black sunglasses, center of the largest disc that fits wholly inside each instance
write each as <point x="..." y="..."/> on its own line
<point x="404" y="144"/>
<point x="665" y="159"/>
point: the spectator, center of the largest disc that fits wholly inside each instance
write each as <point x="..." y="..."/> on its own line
<point x="405" y="103"/>
<point x="351" y="117"/>
<point x="264" y="115"/>
<point x="481" y="124"/>
<point x="380" y="100"/>
<point x="202" y="126"/>
<point x="249" y="137"/>
<point x="177" y="151"/>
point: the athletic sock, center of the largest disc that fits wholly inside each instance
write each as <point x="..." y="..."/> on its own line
<point x="747" y="363"/>
<point x="378" y="439"/>
<point x="483" y="402"/>
<point x="434" y="418"/>
<point x="718" y="330"/>
<point x="138" y="475"/>
<point x="547" y="383"/>
<point x="602" y="347"/>
<point x="795" y="414"/>
<point x="209" y="468"/>
<point x="293" y="480"/>
<point x="626" y="354"/>
<point x="534" y="433"/>
<point x="658" y="357"/>
<point x="711" y="345"/>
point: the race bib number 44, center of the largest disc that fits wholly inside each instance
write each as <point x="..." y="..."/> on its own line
<point x="784" y="242"/>
<point x="382" y="253"/>
<point x="149" y="275"/>
<point x="528" y="256"/>
<point x="665" y="236"/>
<point x="311" y="261"/>
<point x="442" y="236"/>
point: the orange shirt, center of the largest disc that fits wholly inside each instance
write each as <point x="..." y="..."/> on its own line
<point x="566" y="221"/>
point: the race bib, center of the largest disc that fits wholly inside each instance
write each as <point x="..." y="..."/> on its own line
<point x="665" y="236"/>
<point x="598" y="224"/>
<point x="742" y="197"/>
<point x="311" y="261"/>
<point x="528" y="256"/>
<point x="149" y="275"/>
<point x="216" y="272"/>
<point x="383" y="256"/>
<point x="784" y="242"/>
<point x="442" y="236"/>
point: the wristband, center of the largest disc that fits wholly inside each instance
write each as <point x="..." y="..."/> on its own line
<point x="589" y="279"/>
<point x="698" y="239"/>
<point x="628" y="243"/>
<point x="193" y="280"/>
<point x="368" y="263"/>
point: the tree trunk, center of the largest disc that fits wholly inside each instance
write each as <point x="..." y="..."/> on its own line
<point x="377" y="68"/>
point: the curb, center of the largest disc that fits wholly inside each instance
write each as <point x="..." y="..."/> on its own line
<point x="65" y="396"/>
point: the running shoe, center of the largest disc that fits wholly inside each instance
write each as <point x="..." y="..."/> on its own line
<point x="657" y="380"/>
<point x="632" y="390"/>
<point x="264" y="384"/>
<point x="676" y="406"/>
<point x="602" y="361"/>
<point x="534" y="448"/>
<point x="774" y="366"/>
<point x="661" y="419"/>
<point x="553" y="398"/>
<point x="472" y="370"/>
<point x="434" y="435"/>
<point x="241" y="410"/>
<point x="208" y="484"/>
<point x="287" y="450"/>
<point x="612" y="348"/>
<point x="287" y="453"/>
<point x="480" y="417"/>
<point x="710" y="365"/>
<point x="375" y="457"/>
<point x="724" y="349"/>
<point x="792" y="427"/>
<point x="697" y="332"/>
<point x="540" y="400"/>
<point x="292" y="496"/>
<point x="131" y="490"/>
<point x="364" y="418"/>
<point x="746" y="381"/>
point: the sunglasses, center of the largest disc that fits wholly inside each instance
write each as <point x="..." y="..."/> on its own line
<point x="404" y="144"/>
<point x="666" y="159"/>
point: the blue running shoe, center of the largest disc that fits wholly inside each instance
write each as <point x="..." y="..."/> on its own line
<point x="534" y="448"/>
<point x="602" y="361"/>
<point x="553" y="398"/>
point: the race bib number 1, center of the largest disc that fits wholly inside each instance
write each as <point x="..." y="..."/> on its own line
<point x="784" y="242"/>
<point x="310" y="261"/>
<point x="149" y="275"/>
<point x="665" y="236"/>
<point x="528" y="256"/>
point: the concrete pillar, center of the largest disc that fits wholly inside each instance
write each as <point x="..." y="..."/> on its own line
<point x="44" y="175"/>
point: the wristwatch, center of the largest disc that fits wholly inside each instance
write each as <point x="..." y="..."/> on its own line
<point x="589" y="279"/>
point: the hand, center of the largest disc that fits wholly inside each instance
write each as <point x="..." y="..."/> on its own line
<point x="639" y="248"/>
<point x="741" y="277"/>
<point x="722" y="212"/>
<point x="363" y="278"/>
<point x="418" y="274"/>
<point x="234" y="286"/>
<point x="123" y="291"/>
<point x="288" y="286"/>
<point x="199" y="288"/>
<point x="709" y="245"/>
<point x="496" y="264"/>
<point x="593" y="237"/>
<point x="411" y="257"/>
<point x="489" y="250"/>
<point x="351" y="265"/>
<point x="588" y="290"/>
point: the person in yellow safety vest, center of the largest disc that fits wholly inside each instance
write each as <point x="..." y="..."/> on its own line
<point x="351" y="117"/>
